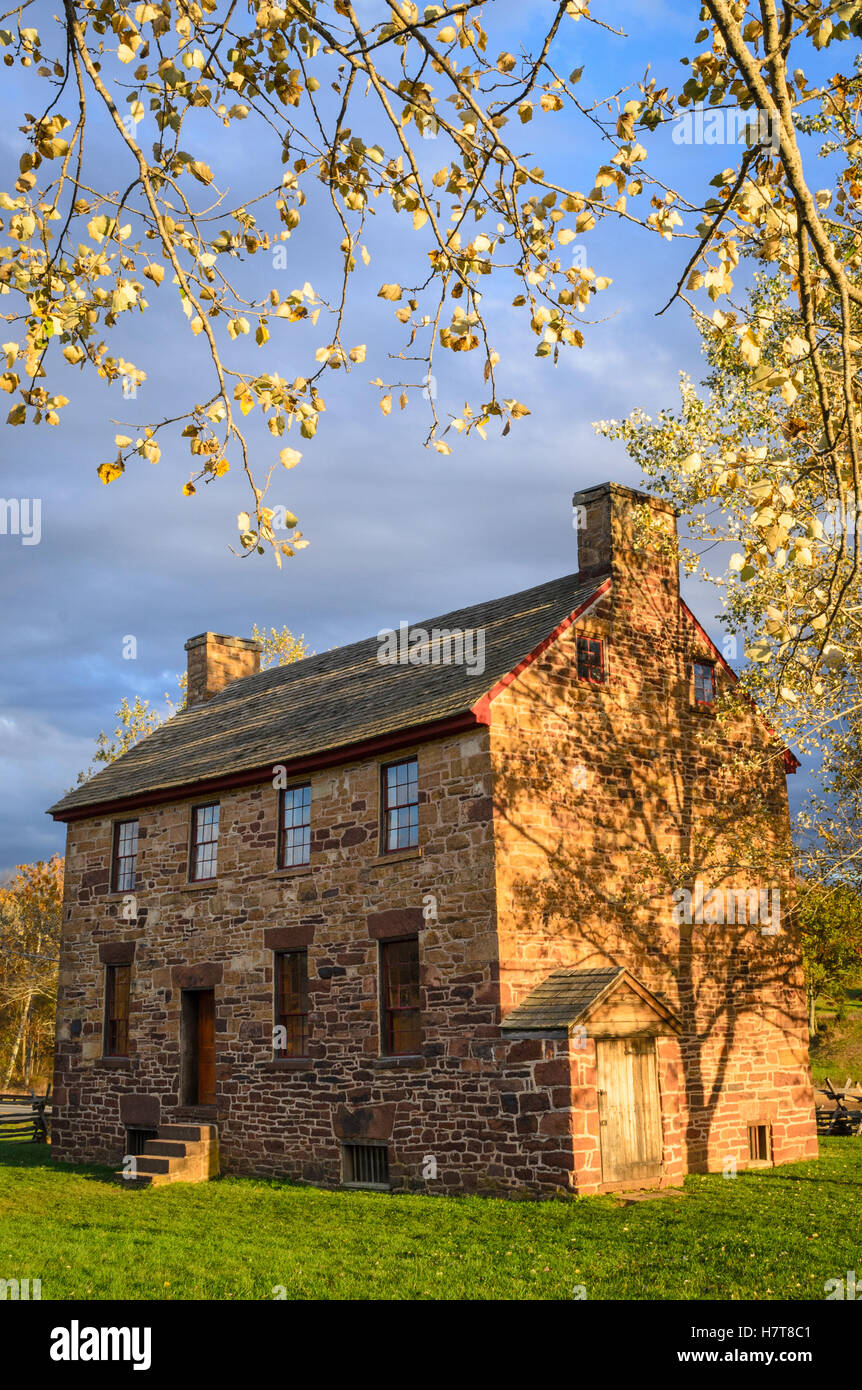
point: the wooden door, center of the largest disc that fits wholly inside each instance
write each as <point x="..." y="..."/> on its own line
<point x="206" y="1047"/>
<point x="629" y="1109"/>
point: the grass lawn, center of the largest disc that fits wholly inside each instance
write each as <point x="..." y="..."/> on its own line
<point x="771" y="1234"/>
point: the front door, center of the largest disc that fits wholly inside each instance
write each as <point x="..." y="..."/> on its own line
<point x="198" y="1018"/>
<point x="629" y="1109"/>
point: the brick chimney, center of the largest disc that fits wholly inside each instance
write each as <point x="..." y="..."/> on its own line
<point x="604" y="519"/>
<point x="214" y="661"/>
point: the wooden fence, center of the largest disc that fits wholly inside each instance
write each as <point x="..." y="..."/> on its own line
<point x="28" y="1120"/>
<point x="839" y="1109"/>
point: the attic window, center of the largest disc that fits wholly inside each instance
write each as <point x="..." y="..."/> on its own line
<point x="591" y="660"/>
<point x="704" y="683"/>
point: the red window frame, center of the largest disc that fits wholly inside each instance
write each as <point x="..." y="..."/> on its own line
<point x="118" y="988"/>
<point x="124" y="858"/>
<point x="400" y="813"/>
<point x="198" y="842"/>
<point x="291" y="1001"/>
<point x="399" y="997"/>
<point x="701" y="684"/>
<point x="299" y="848"/>
<point x="591" y="659"/>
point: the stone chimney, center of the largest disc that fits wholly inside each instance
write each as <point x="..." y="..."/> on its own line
<point x="214" y="661"/>
<point x="605" y="522"/>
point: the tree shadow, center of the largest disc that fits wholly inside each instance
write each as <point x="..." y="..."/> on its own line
<point x="666" y="794"/>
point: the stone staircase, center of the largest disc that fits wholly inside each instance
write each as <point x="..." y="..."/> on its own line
<point x="182" y="1153"/>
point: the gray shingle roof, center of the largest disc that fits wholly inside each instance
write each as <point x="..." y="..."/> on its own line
<point x="332" y="700"/>
<point x="561" y="999"/>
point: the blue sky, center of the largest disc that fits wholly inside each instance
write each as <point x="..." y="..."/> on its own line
<point x="396" y="531"/>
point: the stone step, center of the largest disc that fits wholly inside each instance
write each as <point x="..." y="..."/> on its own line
<point x="194" y="1133"/>
<point x="174" y="1148"/>
<point x="147" y="1163"/>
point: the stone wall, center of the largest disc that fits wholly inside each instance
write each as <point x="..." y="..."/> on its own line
<point x="482" y="1109"/>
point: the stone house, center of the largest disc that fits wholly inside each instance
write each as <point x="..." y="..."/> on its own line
<point x="408" y="914"/>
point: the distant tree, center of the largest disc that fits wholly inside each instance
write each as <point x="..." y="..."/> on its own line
<point x="30" y="919"/>
<point x="830" y="917"/>
<point x="279" y="648"/>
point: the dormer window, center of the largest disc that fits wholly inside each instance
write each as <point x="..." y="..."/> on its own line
<point x="591" y="660"/>
<point x="704" y="683"/>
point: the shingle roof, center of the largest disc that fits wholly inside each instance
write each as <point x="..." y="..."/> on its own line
<point x="333" y="700"/>
<point x="565" y="996"/>
<point x="560" y="999"/>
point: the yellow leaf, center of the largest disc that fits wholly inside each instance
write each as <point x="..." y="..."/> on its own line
<point x="290" y="457"/>
<point x="420" y="217"/>
<point x="122" y="441"/>
<point x="392" y="292"/>
<point x="357" y="354"/>
<point x="246" y="402"/>
<point x="189" y="490"/>
<point x="109" y="471"/>
<point x="385" y="404"/>
<point x="155" y="272"/>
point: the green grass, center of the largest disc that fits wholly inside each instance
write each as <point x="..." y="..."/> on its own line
<point x="770" y="1234"/>
<point x="837" y="1052"/>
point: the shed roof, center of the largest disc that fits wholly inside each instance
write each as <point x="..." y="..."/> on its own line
<point x="568" y="996"/>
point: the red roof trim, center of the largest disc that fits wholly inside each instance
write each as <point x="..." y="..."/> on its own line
<point x="706" y="637"/>
<point x="483" y="704"/>
<point x="349" y="752"/>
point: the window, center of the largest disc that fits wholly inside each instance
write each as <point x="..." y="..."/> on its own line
<point x="291" y="1003"/>
<point x="136" y="1138"/>
<point x="758" y="1143"/>
<point x="399" y="974"/>
<point x="204" y="858"/>
<point x="295" y="827"/>
<point x="125" y="856"/>
<point x="365" y="1165"/>
<point x="401" y="805"/>
<point x="704" y="683"/>
<point x="117" y="985"/>
<point x="591" y="660"/>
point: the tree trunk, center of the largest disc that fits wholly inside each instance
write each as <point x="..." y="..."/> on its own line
<point x="812" y="1013"/>
<point x="14" y="1054"/>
